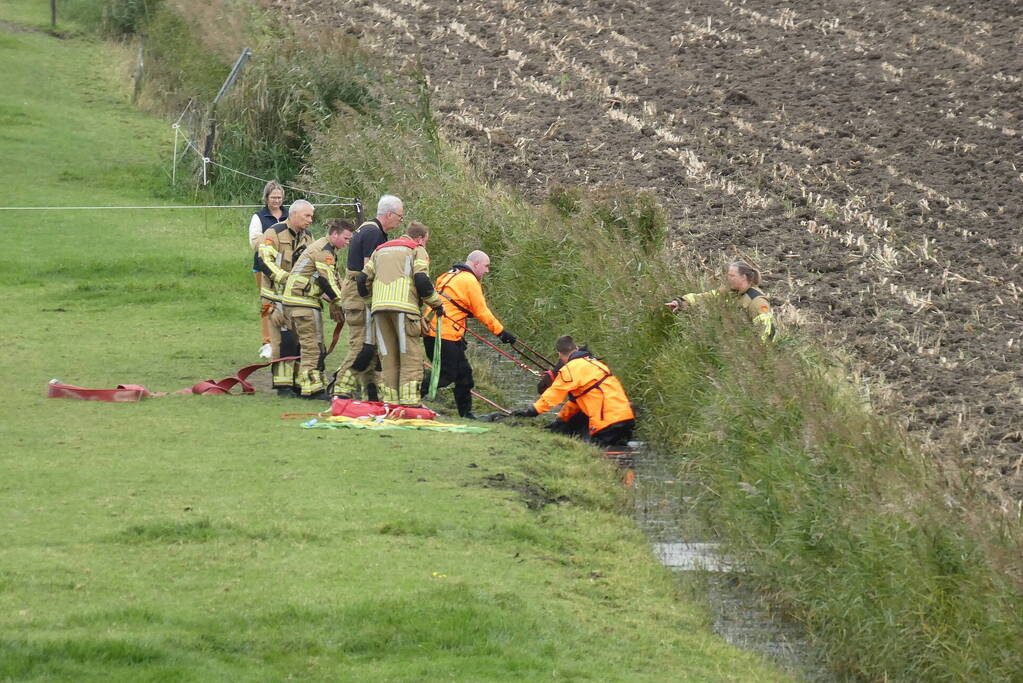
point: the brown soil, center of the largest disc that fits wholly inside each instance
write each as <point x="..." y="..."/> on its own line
<point x="867" y="156"/>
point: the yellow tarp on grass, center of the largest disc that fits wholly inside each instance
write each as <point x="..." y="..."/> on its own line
<point x="342" y="422"/>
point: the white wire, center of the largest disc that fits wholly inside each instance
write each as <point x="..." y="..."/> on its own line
<point x="206" y="160"/>
<point x="184" y="111"/>
<point x="351" y="201"/>
<point x="172" y="206"/>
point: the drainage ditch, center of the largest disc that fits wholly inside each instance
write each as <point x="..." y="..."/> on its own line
<point x="663" y="509"/>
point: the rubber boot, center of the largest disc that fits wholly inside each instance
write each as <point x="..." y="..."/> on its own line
<point x="463" y="401"/>
<point x="371" y="393"/>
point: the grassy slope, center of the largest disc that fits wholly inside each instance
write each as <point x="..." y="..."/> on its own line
<point x="189" y="537"/>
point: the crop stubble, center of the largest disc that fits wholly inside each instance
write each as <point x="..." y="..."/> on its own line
<point x="869" y="158"/>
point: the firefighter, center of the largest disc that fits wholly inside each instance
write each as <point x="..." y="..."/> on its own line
<point x="740" y="279"/>
<point x="351" y="383"/>
<point x="282" y="244"/>
<point x="397" y="280"/>
<point x="597" y="408"/>
<point x="314" y="275"/>
<point x="462" y="296"/>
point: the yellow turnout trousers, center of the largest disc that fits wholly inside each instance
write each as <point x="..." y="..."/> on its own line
<point x="307" y="324"/>
<point x="399" y="343"/>
<point x="282" y="344"/>
<point x="353" y="382"/>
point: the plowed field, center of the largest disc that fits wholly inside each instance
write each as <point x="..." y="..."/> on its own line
<point x="867" y="156"/>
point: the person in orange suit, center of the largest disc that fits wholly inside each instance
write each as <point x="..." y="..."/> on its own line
<point x="461" y="291"/>
<point x="597" y="408"/>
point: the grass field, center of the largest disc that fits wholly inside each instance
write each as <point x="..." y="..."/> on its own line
<point x="202" y="538"/>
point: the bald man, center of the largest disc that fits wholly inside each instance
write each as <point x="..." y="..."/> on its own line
<point x="462" y="294"/>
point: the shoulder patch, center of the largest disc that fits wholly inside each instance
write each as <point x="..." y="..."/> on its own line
<point x="764" y="308"/>
<point x="329" y="260"/>
<point x="269" y="240"/>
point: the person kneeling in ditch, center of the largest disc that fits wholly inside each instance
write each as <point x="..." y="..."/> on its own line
<point x="741" y="279"/>
<point x="597" y="408"/>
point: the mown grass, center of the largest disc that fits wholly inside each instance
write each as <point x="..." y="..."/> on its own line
<point x="189" y="538"/>
<point x="900" y="572"/>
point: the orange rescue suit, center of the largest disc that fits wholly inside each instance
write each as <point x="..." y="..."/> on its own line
<point x="460" y="286"/>
<point x="591" y="389"/>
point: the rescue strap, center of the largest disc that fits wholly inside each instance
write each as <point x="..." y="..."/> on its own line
<point x="435" y="374"/>
<point x="130" y="393"/>
<point x="333" y="340"/>
<point x="399" y="242"/>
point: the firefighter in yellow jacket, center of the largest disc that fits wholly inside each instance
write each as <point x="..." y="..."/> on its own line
<point x="350" y="382"/>
<point x="462" y="295"/>
<point x="597" y="408"/>
<point x="397" y="279"/>
<point x="741" y="279"/>
<point x="314" y="276"/>
<point x="280" y="247"/>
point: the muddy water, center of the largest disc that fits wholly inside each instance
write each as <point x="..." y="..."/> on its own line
<point x="662" y="508"/>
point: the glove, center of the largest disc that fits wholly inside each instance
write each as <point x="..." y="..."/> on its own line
<point x="507" y="337"/>
<point x="438" y="310"/>
<point x="528" y="412"/>
<point x="546" y="380"/>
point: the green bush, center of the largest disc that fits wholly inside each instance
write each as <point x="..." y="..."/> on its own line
<point x="128" y="17"/>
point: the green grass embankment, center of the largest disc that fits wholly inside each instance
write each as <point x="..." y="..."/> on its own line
<point x="903" y="575"/>
<point x="202" y="538"/>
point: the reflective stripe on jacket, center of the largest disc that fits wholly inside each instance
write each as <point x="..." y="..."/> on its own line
<point x="303" y="286"/>
<point x="752" y="301"/>
<point x="278" y="250"/>
<point x="591" y="388"/>
<point x="390" y="276"/>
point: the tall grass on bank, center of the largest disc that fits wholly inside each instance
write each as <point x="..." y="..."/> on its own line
<point x="832" y="510"/>
<point x="829" y="506"/>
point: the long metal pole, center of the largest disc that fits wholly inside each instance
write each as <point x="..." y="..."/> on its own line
<point x="475" y="393"/>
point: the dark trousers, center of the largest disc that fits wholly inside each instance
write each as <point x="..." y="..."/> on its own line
<point x="617" y="434"/>
<point x="454" y="369"/>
